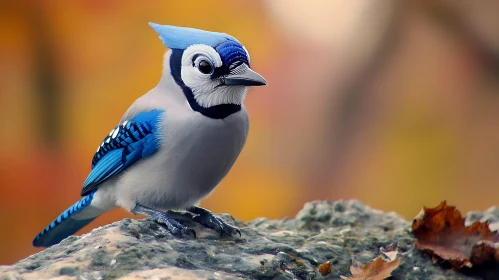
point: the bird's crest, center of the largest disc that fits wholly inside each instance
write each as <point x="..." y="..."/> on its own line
<point x="175" y="37"/>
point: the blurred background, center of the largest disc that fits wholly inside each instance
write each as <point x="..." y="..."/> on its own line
<point x="395" y="103"/>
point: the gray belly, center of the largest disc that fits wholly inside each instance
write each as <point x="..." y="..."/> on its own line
<point x="195" y="156"/>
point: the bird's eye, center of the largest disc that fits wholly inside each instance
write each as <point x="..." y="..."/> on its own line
<point x="205" y="67"/>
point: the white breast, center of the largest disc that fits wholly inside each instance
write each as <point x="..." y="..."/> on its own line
<point x="195" y="155"/>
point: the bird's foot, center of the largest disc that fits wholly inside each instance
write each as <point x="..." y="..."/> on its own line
<point x="207" y="219"/>
<point x="175" y="227"/>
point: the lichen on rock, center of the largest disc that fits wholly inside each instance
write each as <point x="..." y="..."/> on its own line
<point x="322" y="231"/>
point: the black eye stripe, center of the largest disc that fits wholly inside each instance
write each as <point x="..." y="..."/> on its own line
<point x="204" y="64"/>
<point x="194" y="59"/>
<point x="220" y="71"/>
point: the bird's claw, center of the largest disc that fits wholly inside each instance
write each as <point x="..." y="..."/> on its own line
<point x="188" y="232"/>
<point x="173" y="226"/>
<point x="210" y="221"/>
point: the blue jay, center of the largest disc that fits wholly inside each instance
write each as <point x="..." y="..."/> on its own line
<point x="175" y="143"/>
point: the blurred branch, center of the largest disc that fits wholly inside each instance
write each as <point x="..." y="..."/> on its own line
<point x="47" y="89"/>
<point x="449" y="15"/>
<point x="348" y="117"/>
<point x="48" y="94"/>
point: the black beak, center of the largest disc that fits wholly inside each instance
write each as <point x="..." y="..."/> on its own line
<point x="247" y="78"/>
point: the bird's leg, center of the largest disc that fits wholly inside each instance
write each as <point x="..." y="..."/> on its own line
<point x="207" y="219"/>
<point x="160" y="217"/>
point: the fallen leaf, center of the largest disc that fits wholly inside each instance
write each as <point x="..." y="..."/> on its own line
<point x="441" y="232"/>
<point x="325" y="268"/>
<point x="377" y="270"/>
<point x="485" y="252"/>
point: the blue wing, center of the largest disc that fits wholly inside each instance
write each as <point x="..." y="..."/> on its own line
<point x="128" y="142"/>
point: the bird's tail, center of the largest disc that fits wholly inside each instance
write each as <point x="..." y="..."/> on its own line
<point x="70" y="221"/>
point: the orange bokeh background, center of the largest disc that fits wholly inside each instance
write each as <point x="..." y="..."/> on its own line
<point x="395" y="104"/>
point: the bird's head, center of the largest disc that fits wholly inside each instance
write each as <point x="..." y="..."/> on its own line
<point x="212" y="68"/>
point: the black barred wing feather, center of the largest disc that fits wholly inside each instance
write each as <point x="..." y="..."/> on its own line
<point x="130" y="141"/>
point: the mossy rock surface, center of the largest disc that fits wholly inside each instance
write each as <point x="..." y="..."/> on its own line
<point x="322" y="231"/>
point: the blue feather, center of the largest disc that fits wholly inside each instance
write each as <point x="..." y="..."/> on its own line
<point x="175" y="37"/>
<point x="232" y="54"/>
<point x="58" y="230"/>
<point x="127" y="143"/>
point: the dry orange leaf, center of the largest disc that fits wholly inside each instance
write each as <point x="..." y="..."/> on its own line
<point x="441" y="232"/>
<point x="377" y="270"/>
<point x="325" y="268"/>
<point x="485" y="252"/>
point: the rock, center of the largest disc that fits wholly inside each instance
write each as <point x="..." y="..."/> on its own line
<point x="490" y="215"/>
<point x="322" y="231"/>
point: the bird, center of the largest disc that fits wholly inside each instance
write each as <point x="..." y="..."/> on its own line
<point x="175" y="143"/>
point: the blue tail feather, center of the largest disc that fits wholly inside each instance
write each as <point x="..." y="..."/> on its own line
<point x="65" y="224"/>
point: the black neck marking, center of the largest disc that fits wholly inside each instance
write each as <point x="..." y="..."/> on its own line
<point x="215" y="112"/>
